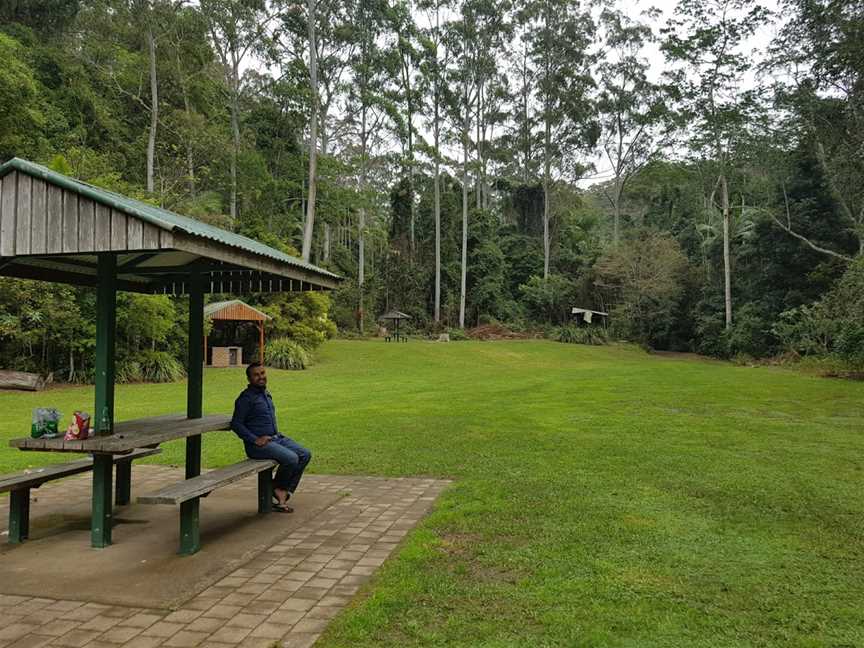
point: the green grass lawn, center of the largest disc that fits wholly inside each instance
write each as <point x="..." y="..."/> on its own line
<point x="603" y="497"/>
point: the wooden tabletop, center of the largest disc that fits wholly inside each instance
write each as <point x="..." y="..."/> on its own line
<point x="128" y="435"/>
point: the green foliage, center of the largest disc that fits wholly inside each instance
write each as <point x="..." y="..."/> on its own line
<point x="21" y="118"/>
<point x="159" y="366"/>
<point x="806" y="329"/>
<point x="549" y="300"/>
<point x="128" y="370"/>
<point x="849" y="345"/>
<point x="145" y="319"/>
<point x="302" y="317"/>
<point x="457" y="335"/>
<point x="750" y="333"/>
<point x="573" y="334"/>
<point x="644" y="277"/>
<point x="149" y="366"/>
<point x="284" y="353"/>
<point x="831" y="325"/>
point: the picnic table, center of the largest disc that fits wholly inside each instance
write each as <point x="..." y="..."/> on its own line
<point x="127" y="437"/>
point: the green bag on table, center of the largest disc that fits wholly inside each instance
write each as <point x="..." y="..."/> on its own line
<point x="45" y="423"/>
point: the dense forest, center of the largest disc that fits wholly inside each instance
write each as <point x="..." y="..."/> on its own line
<point x="698" y="174"/>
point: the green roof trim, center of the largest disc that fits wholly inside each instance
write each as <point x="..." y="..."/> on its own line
<point x="162" y="218"/>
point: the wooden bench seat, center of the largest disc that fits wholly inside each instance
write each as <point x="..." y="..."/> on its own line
<point x="19" y="484"/>
<point x="188" y="492"/>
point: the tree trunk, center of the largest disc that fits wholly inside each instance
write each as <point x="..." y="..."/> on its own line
<point x="29" y="381"/>
<point x="479" y="189"/>
<point x="526" y="128"/>
<point x="361" y="267"/>
<point x="465" y="130"/>
<point x="410" y="161"/>
<point x="235" y="128"/>
<point x="154" y="108"/>
<point x="437" y="131"/>
<point x="313" y="133"/>
<point x="190" y="161"/>
<point x="616" y="211"/>
<point x="325" y="141"/>
<point x="546" y="179"/>
<point x="361" y="223"/>
<point x="727" y="269"/>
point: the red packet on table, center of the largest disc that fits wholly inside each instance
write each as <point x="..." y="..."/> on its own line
<point x="82" y="420"/>
<point x="79" y="427"/>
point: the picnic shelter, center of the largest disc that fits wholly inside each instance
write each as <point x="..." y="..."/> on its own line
<point x="59" y="229"/>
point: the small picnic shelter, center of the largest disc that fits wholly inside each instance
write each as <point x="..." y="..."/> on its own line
<point x="588" y="316"/>
<point x="59" y="229"/>
<point x="394" y="317"/>
<point x="235" y="310"/>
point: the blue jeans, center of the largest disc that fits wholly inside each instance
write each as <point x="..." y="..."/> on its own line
<point x="291" y="456"/>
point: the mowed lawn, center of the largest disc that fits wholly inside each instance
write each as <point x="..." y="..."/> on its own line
<point x="602" y="496"/>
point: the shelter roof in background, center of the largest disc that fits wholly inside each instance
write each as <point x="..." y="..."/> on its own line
<point x="394" y="315"/>
<point x="53" y="226"/>
<point x="577" y="311"/>
<point x="234" y="309"/>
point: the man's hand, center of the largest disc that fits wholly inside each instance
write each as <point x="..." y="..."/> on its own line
<point x="263" y="440"/>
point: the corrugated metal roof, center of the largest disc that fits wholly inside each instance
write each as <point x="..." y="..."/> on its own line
<point x="215" y="307"/>
<point x="157" y="216"/>
<point x="394" y="315"/>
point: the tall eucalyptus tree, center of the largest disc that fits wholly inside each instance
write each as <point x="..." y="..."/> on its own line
<point x="631" y="108"/>
<point x="558" y="34"/>
<point x="236" y="30"/>
<point x="704" y="41"/>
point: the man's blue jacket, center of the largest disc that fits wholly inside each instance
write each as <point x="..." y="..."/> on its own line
<point x="254" y="414"/>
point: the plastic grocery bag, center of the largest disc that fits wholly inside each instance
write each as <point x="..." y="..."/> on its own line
<point x="45" y="423"/>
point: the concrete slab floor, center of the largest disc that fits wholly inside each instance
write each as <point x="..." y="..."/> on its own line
<point x="268" y="581"/>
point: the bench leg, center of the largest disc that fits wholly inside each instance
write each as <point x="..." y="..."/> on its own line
<point x="19" y="515"/>
<point x="100" y="524"/>
<point x="190" y="537"/>
<point x="265" y="491"/>
<point x="193" y="456"/>
<point x="123" y="487"/>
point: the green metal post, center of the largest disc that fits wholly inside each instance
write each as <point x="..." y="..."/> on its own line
<point x="194" y="389"/>
<point x="106" y="317"/>
<point x="265" y="491"/>
<point x="190" y="538"/>
<point x="101" y="523"/>
<point x="123" y="487"/>
<point x="193" y="456"/>
<point x="103" y="464"/>
<point x="19" y="515"/>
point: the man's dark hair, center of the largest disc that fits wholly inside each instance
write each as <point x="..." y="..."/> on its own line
<point x="250" y="367"/>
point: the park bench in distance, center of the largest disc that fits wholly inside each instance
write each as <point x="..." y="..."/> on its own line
<point x="18" y="486"/>
<point x="190" y="490"/>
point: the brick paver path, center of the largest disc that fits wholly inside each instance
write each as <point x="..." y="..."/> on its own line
<point x="283" y="598"/>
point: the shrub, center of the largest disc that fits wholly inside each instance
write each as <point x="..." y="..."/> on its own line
<point x="849" y="345"/>
<point x="457" y="335"/>
<point x="583" y="335"/>
<point x="128" y="371"/>
<point x="645" y="276"/>
<point x="283" y="353"/>
<point x="751" y="333"/>
<point x="160" y="367"/>
<point x="806" y="330"/>
<point x="301" y="318"/>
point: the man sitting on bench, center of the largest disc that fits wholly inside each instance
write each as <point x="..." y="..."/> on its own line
<point x="254" y="421"/>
